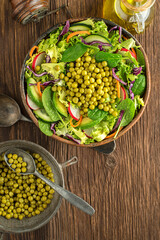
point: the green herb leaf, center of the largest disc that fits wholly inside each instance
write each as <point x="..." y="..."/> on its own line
<point x="139" y="85"/>
<point x="111" y="58"/>
<point x="96" y="114"/>
<point x="129" y="111"/>
<point x="140" y="59"/>
<point x="74" y="52"/>
<point x="45" y="127"/>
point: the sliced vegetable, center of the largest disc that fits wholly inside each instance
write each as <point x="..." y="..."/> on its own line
<point x="126" y="50"/>
<point x="116" y="77"/>
<point x="134" y="52"/>
<point x="33" y="92"/>
<point x="38" y="60"/>
<point x="41" y="113"/>
<point x="78" y="141"/>
<point x="58" y="105"/>
<point x="88" y="23"/>
<point x="130" y="90"/>
<point x="123" y="93"/>
<point x="120" y="34"/>
<point x="88" y="132"/>
<point x="80" y="27"/>
<point x="65" y="29"/>
<point x="31" y="104"/>
<point x="48" y="104"/>
<point x="39" y="88"/>
<point x="76" y="33"/>
<point x="96" y="38"/>
<point x="118" y="89"/>
<point x="88" y="123"/>
<point x="118" y="121"/>
<point x="113" y="134"/>
<point x="137" y="71"/>
<point x="113" y="28"/>
<point x="77" y="124"/>
<point x="37" y="75"/>
<point x="32" y="50"/>
<point x="53" y="127"/>
<point x="74" y="112"/>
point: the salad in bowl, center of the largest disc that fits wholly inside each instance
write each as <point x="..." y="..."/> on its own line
<point x="85" y="82"/>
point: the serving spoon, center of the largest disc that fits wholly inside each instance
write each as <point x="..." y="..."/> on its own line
<point x="10" y="112"/>
<point x="31" y="169"/>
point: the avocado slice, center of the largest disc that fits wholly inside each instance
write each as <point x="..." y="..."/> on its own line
<point x="41" y="113"/>
<point x="88" y="123"/>
<point x="33" y="92"/>
<point x="58" y="105"/>
<point x="48" y="104"/>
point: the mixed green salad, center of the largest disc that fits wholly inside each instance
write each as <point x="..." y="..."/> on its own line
<point x="85" y="82"/>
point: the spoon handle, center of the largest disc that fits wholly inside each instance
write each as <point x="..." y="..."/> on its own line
<point x="23" y="118"/>
<point x="72" y="198"/>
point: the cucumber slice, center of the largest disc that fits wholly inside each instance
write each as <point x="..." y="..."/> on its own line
<point x="45" y="128"/>
<point x="33" y="92"/>
<point x="97" y="37"/>
<point x="48" y="104"/>
<point x="80" y="27"/>
<point x="41" y="113"/>
<point x="88" y="22"/>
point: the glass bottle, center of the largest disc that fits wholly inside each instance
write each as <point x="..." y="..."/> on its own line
<point x="134" y="15"/>
<point x="24" y="11"/>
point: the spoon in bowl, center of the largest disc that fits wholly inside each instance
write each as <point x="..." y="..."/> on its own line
<point x="10" y="112"/>
<point x="31" y="169"/>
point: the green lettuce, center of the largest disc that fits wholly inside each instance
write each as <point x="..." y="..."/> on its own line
<point x="138" y="102"/>
<point x="100" y="28"/>
<point x="101" y="130"/>
<point x="50" y="68"/>
<point x="129" y="43"/>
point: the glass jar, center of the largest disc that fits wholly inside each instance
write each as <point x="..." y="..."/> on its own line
<point x="25" y="11"/>
<point x="134" y="15"/>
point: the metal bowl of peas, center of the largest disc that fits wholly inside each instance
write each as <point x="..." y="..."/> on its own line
<point x="123" y="130"/>
<point x="26" y="203"/>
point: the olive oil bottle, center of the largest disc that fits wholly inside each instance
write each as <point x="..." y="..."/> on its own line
<point x="133" y="15"/>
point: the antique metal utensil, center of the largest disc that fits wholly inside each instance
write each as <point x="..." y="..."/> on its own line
<point x="10" y="112"/>
<point x="31" y="169"/>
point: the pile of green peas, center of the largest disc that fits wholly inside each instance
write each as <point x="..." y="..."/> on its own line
<point x="90" y="84"/>
<point x="24" y="196"/>
<point x="16" y="162"/>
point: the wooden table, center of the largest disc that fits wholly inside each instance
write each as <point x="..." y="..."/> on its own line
<point x="122" y="187"/>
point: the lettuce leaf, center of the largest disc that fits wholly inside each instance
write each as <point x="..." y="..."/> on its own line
<point x="100" y="28"/>
<point x="101" y="130"/>
<point x="138" y="102"/>
<point x="50" y="68"/>
<point x="129" y="43"/>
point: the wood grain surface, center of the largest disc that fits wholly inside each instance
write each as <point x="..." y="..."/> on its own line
<point x="122" y="187"/>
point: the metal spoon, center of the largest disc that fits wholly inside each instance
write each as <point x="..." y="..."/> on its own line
<point x="9" y="112"/>
<point x="31" y="169"/>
